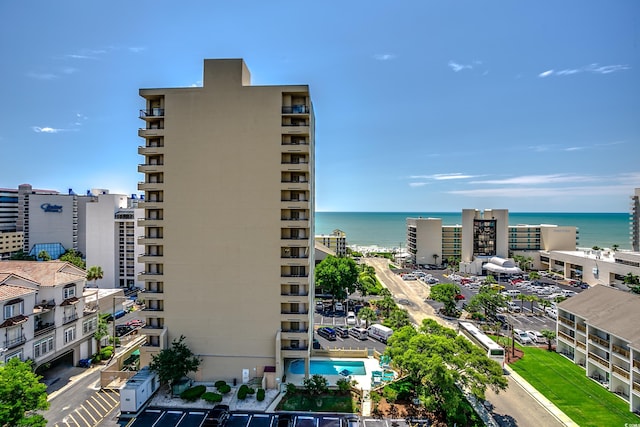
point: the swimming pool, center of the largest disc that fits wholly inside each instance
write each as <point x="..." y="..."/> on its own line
<point x="329" y="367"/>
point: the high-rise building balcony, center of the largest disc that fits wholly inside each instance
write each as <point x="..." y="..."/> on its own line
<point x="297" y="334"/>
<point x="150" y="186"/>
<point x="150" y="151"/>
<point x="294" y="129"/>
<point x="150" y="168"/>
<point x="150" y="259"/>
<point x="296" y="109"/>
<point x="295" y="223"/>
<point x="150" y="222"/>
<point x="150" y="133"/>
<point x="295" y="185"/>
<point x="14" y="342"/>
<point x="150" y="204"/>
<point x="151" y="114"/>
<point x="150" y="241"/>
<point x="292" y="166"/>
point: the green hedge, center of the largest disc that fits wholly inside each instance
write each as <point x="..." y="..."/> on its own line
<point x="212" y="397"/>
<point x="260" y="395"/>
<point x="243" y="391"/>
<point x="219" y="383"/>
<point x="194" y="393"/>
<point x="224" y="388"/>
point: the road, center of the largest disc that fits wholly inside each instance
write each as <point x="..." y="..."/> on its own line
<point x="512" y="407"/>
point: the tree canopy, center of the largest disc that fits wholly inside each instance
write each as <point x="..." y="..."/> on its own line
<point x="175" y="362"/>
<point x="446" y="293"/>
<point x="21" y="395"/>
<point x="95" y="273"/>
<point x="337" y="276"/>
<point x="74" y="257"/>
<point x="633" y="282"/>
<point x="438" y="361"/>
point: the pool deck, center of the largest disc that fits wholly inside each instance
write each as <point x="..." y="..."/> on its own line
<point x="363" y="381"/>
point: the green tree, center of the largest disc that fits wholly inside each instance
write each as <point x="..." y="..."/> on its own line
<point x="398" y="318"/>
<point x="549" y="335"/>
<point x="633" y="282"/>
<point x="385" y="305"/>
<point x="316" y="385"/>
<point x="487" y="299"/>
<point x="534" y="275"/>
<point x="102" y="330"/>
<point x="368" y="315"/>
<point x="21" y="256"/>
<point x="438" y="361"/>
<point x="174" y="363"/>
<point x="74" y="257"/>
<point x="21" y="395"/>
<point x="44" y="255"/>
<point x="337" y="276"/>
<point x="95" y="273"/>
<point x="615" y="247"/>
<point x="446" y="294"/>
<point x="368" y="283"/>
<point x="531" y="299"/>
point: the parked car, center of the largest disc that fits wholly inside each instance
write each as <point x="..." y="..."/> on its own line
<point x="350" y="421"/>
<point x="338" y="307"/>
<point x="459" y="297"/>
<point x="216" y="417"/>
<point x="536" y="337"/>
<point x="551" y="312"/>
<point x="341" y="332"/>
<point x="327" y="333"/>
<point x="351" y="318"/>
<point x="521" y="336"/>
<point x="285" y="420"/>
<point x="512" y="306"/>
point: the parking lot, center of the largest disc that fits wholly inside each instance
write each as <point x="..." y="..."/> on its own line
<point x="193" y="418"/>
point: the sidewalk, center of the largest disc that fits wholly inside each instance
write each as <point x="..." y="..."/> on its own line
<point x="543" y="401"/>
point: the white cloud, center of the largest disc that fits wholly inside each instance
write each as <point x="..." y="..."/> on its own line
<point x="443" y="176"/>
<point x="459" y="67"/>
<point x="136" y="49"/>
<point x="384" y="56"/>
<point x="42" y="76"/>
<point x="38" y="129"/>
<point x="574" y="148"/>
<point x="591" y="68"/>
<point x="417" y="184"/>
<point x="596" y="190"/>
<point x="539" y="179"/>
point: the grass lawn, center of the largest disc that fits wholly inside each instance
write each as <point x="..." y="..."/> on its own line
<point x="566" y="385"/>
<point x="330" y="403"/>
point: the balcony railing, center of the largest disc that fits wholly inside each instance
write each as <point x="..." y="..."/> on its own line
<point x="566" y="336"/>
<point x="294" y="312"/>
<point x="581" y="328"/>
<point x="636" y="386"/>
<point x="620" y="350"/>
<point x="71" y="318"/>
<point x="294" y="275"/>
<point x="153" y="112"/>
<point x="566" y="321"/>
<point x="295" y="109"/>
<point x="581" y="345"/>
<point x="295" y="348"/>
<point x="15" y="342"/>
<point x="599" y="340"/>
<point x="636" y="364"/>
<point x="295" y="124"/>
<point x="599" y="359"/>
<point x="301" y="331"/>
<point x="43" y="329"/>
<point x="294" y="294"/>
<point x="295" y="143"/>
<point x="621" y="371"/>
<point x="294" y="219"/>
<point x="294" y="256"/>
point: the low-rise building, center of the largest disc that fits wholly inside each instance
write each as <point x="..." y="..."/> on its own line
<point x="336" y="241"/>
<point x="598" y="330"/>
<point x="44" y="314"/>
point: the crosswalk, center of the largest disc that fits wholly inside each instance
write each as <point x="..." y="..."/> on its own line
<point x="93" y="410"/>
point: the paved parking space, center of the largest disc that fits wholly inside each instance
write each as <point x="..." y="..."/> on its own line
<point x="92" y="411"/>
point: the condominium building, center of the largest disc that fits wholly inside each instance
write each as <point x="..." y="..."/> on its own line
<point x="44" y="314"/>
<point x="598" y="330"/>
<point x="634" y="221"/>
<point x="336" y="241"/>
<point x="482" y="236"/>
<point x="228" y="217"/>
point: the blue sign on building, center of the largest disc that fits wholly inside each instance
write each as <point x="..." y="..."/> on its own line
<point x="47" y="207"/>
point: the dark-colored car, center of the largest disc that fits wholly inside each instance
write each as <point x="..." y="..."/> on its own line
<point x="285" y="420"/>
<point x="350" y="421"/>
<point x="216" y="417"/>
<point x="327" y="333"/>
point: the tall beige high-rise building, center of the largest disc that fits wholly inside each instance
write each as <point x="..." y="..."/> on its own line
<point x="229" y="201"/>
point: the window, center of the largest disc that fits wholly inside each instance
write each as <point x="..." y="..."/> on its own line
<point x="69" y="292"/>
<point x="17" y="354"/>
<point x="89" y="325"/>
<point x="69" y="335"/>
<point x="14" y="308"/>
<point x="43" y="347"/>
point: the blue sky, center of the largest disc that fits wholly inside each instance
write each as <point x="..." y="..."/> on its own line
<point x="421" y="106"/>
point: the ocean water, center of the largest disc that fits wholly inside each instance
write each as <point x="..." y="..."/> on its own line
<point x="388" y="229"/>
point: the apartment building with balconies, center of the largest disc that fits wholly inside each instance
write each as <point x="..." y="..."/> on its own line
<point x="336" y="241"/>
<point x="44" y="314"/>
<point x="597" y="330"/>
<point x="228" y="221"/>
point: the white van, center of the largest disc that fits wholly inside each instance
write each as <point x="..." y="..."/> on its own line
<point x="359" y="333"/>
<point x="513" y="293"/>
<point x="380" y="332"/>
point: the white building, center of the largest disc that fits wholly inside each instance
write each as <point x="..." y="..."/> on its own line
<point x="44" y="314"/>
<point x="336" y="241"/>
<point x="598" y="330"/>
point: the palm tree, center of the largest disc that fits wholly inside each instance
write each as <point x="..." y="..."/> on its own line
<point x="95" y="273"/>
<point x="44" y="255"/>
<point x="531" y="299"/>
<point x="368" y="315"/>
<point x="615" y="247"/>
<point x="549" y="335"/>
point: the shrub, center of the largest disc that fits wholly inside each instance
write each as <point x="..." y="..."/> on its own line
<point x="390" y="394"/>
<point x="219" y="383"/>
<point x="224" y="388"/>
<point x="242" y="392"/>
<point x="212" y="397"/>
<point x="194" y="393"/>
<point x="251" y="390"/>
<point x="344" y="385"/>
<point x="106" y="353"/>
<point x="260" y="395"/>
<point x="291" y="388"/>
